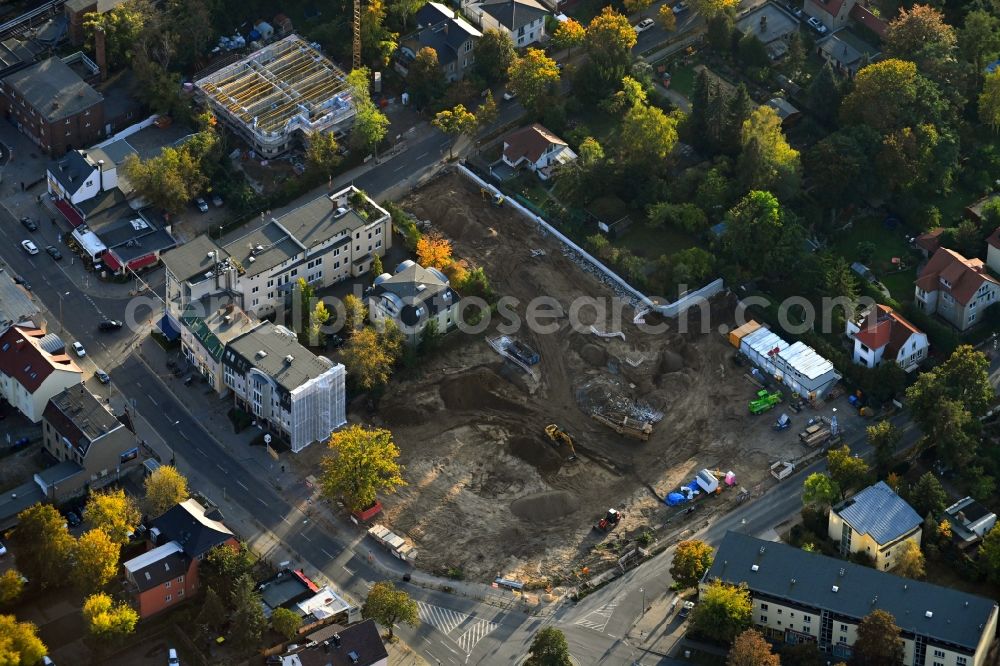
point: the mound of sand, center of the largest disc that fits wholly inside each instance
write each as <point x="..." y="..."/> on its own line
<point x="594" y="355"/>
<point x="474" y="391"/>
<point x="545" y="507"/>
<point x="537" y="452"/>
<point x="671" y="361"/>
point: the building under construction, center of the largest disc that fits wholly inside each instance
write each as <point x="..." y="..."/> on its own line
<point x="284" y="88"/>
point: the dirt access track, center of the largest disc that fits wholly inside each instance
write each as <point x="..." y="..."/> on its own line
<point x="488" y="494"/>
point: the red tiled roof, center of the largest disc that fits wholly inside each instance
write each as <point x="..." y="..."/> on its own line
<point x="864" y="16"/>
<point x="889" y="329"/>
<point x="28" y="364"/>
<point x="831" y="7"/>
<point x="966" y="276"/>
<point x="529" y="142"/>
<point x="994" y="239"/>
<point x="930" y="241"/>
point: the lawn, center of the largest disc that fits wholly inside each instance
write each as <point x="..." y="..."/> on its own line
<point x="682" y="80"/>
<point x="649" y="244"/>
<point x="900" y="284"/>
<point x="888" y="242"/>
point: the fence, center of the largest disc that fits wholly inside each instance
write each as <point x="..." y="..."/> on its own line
<point x="129" y="131"/>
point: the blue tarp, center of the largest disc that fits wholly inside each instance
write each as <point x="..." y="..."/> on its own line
<point x="673" y="499"/>
<point x="168" y="328"/>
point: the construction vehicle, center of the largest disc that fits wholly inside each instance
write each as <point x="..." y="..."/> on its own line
<point x="494" y="196"/>
<point x="609" y="521"/>
<point x="816" y="434"/>
<point x="523" y="352"/>
<point x="561" y="440"/>
<point x="764" y="401"/>
<point x="783" y="423"/>
<point x="624" y="424"/>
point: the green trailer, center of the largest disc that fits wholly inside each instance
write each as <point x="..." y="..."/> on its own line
<point x="764" y="401"/>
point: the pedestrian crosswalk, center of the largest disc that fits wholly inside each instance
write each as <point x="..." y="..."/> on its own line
<point x="598" y="619"/>
<point x="465" y="630"/>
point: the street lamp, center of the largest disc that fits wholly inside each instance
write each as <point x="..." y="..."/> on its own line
<point x="60" y="294"/>
<point x="643" y="590"/>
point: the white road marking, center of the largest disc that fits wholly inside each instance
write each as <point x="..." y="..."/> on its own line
<point x="399" y="168"/>
<point x="326" y="553"/>
<point x="262" y="501"/>
<point x="474" y="634"/>
<point x="601" y="617"/>
<point x="200" y="451"/>
<point x="240" y="484"/>
<point x="221" y="468"/>
<point x="184" y="435"/>
<point x="349" y="572"/>
<point x="442" y="619"/>
<point x="306" y="537"/>
<point x="152" y="400"/>
<point x="422" y="155"/>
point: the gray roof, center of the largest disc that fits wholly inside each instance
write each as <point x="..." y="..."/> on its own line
<point x="58" y="472"/>
<point x="53" y="89"/>
<point x="880" y="513"/>
<point x="16" y="500"/>
<point x="15" y="304"/>
<point x="191" y="259"/>
<point x="839" y="50"/>
<point x="785" y="572"/>
<point x="113" y="154"/>
<point x="418" y="287"/>
<point x="514" y="14"/>
<point x="446" y="42"/>
<point x="207" y="323"/>
<point x="81" y="407"/>
<point x="277" y="343"/>
<point x="276" y="245"/>
<point x="284" y="589"/>
<point x="102" y="5"/>
<point x="71" y="170"/>
<point x="313" y="223"/>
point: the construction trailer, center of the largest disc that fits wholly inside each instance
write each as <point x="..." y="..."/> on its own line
<point x="737" y="334"/>
<point x="762" y="348"/>
<point x="394" y="543"/>
<point x="797" y="365"/>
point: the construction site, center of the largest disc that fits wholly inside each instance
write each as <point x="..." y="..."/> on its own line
<point x="516" y="446"/>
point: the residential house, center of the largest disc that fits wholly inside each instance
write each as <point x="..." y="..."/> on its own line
<point x="956" y="289"/>
<point x="81" y="175"/>
<point x="970" y="521"/>
<point x="770" y="24"/>
<point x="863" y="15"/>
<point x="412" y="297"/>
<point x="536" y="148"/>
<point x="356" y="645"/>
<point x="522" y="20"/>
<point x="882" y="334"/>
<point x="993" y="251"/>
<point x="330" y="239"/>
<point x="16" y="305"/>
<point x="842" y="56"/>
<point x="76" y="10"/>
<point x="451" y="36"/>
<point x="207" y="326"/>
<point x="81" y="432"/>
<point x="876" y="522"/>
<point x="799" y="597"/>
<point x="33" y="368"/>
<point x="291" y="392"/>
<point x="786" y="111"/>
<point x="929" y="241"/>
<point x="167" y="574"/>
<point x="53" y="106"/>
<point x="831" y="13"/>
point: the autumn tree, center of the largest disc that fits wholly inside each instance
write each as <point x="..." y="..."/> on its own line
<point x="647" y="135"/>
<point x="750" y="649"/>
<point x="95" y="560"/>
<point x="723" y="612"/>
<point x="568" y="35"/>
<point x="11" y="586"/>
<point x="692" y="559"/>
<point x="113" y="512"/>
<point x="486" y="112"/>
<point x="222" y="566"/>
<point x="922" y="36"/>
<point x="165" y="488"/>
<point x="322" y="153"/>
<point x="609" y="41"/>
<point x="909" y="561"/>
<point x="248" y="621"/>
<point x="286" y="622"/>
<point x="534" y="77"/>
<point x="637" y="6"/>
<point x="169" y="180"/>
<point x="889" y="95"/>
<point x="425" y="79"/>
<point x="878" y="641"/>
<point x="19" y="642"/>
<point x="710" y="8"/>
<point x="361" y="463"/>
<point x="820" y="490"/>
<point x="107" y="620"/>
<point x="377" y="42"/>
<point x="549" y="648"/>
<point x="989" y="101"/>
<point x="122" y="26"/>
<point x="767" y="162"/>
<point x="44" y="543"/>
<point x="388" y="606"/>
<point x="369" y="362"/>
<point x="433" y="251"/>
<point x="666" y="17"/>
<point x="849" y="472"/>
<point x="457" y="121"/>
<point x="495" y="53"/>
<point x="355" y="314"/>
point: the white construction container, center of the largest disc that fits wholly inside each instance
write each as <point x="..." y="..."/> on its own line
<point x="806" y="372"/>
<point x="761" y="347"/>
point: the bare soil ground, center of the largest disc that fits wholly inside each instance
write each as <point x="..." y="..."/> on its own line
<point x="487" y="493"/>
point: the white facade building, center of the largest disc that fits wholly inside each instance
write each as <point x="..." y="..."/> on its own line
<point x="30" y="375"/>
<point x="412" y="297"/>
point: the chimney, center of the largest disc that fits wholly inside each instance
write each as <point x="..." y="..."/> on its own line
<point x="100" y="52"/>
<point x="763" y="23"/>
<point x="100" y="174"/>
<point x="336" y="640"/>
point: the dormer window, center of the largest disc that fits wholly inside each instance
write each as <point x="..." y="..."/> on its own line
<point x="945" y="283"/>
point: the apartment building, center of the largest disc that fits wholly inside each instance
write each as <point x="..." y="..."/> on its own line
<point x="876" y="522"/>
<point x="34" y="367"/>
<point x="956" y="289"/>
<point x="806" y="597"/>
<point x="413" y="297"/>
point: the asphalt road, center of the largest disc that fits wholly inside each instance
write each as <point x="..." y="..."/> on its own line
<point x="656" y="35"/>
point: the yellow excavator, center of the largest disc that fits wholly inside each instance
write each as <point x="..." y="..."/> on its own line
<point x="561" y="440"/>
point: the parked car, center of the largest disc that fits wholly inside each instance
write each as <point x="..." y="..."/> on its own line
<point x="29" y="224"/>
<point x="680" y="8"/>
<point x="817" y="25"/>
<point x="172" y="659"/>
<point x="201" y="204"/>
<point x="3" y="549"/>
<point x="217" y="201"/>
<point x="794" y="9"/>
<point x="109" y="325"/>
<point x="78" y="348"/>
<point x="686" y="609"/>
<point x="643" y="25"/>
<point x="102" y="376"/>
<point x="29" y="247"/>
<point x="53" y="252"/>
<point x="72" y="519"/>
<point x="509" y="95"/>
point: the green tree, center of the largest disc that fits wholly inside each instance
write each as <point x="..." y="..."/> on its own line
<point x="222" y="566"/>
<point x="692" y="559"/>
<point x="361" y="463"/>
<point x="989" y="554"/>
<point x="760" y="236"/>
<point x="95" y="560"/>
<point x="533" y="77"/>
<point x="122" y="26"/>
<point x="44" y="544"/>
<point x="928" y="497"/>
<point x="838" y="278"/>
<point x="823" y="96"/>
<point x="370" y="124"/>
<point x="979" y="39"/>
<point x="190" y="24"/>
<point x="425" y="79"/>
<point x="248" y="621"/>
<point x="848" y="471"/>
<point x="213" y="614"/>
<point x="322" y="153"/>
<point x="909" y="561"/>
<point x="795" y="58"/>
<point x="989" y="101"/>
<point x="750" y="649"/>
<point x="388" y="606"/>
<point x="921" y="35"/>
<point x="286" y="622"/>
<point x="457" y="121"/>
<point x="11" y="587"/>
<point x="692" y="266"/>
<point x="883" y="437"/>
<point x="637" y="6"/>
<point x="376" y="267"/>
<point x="767" y="162"/>
<point x="495" y="53"/>
<point x="377" y="42"/>
<point x="820" y="490"/>
<point x="710" y="8"/>
<point x="752" y="51"/>
<point x="403" y="10"/>
<point x="486" y="112"/>
<point x="165" y="488"/>
<point x="890" y="95"/>
<point x="720" y="32"/>
<point x="608" y="43"/>
<point x="19" y="642"/>
<point x="647" y="135"/>
<point x="549" y="648"/>
<point x="968" y="237"/>
<point x="107" y="620"/>
<point x="723" y="612"/>
<point x="842" y="161"/>
<point x="169" y="181"/>
<point x="113" y="512"/>
<point x="878" y="641"/>
<point x="738" y="110"/>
